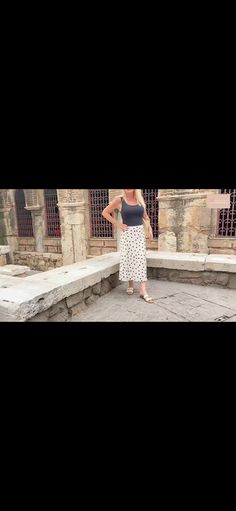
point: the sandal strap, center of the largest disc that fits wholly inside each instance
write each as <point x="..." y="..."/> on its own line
<point x="147" y="298"/>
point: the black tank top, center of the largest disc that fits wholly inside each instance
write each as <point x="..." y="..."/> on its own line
<point x="131" y="215"/>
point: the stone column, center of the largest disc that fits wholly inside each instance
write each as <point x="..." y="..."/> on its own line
<point x="72" y="207"/>
<point x="8" y="222"/>
<point x="184" y="220"/>
<point x="113" y="192"/>
<point x="34" y="205"/>
<point x="38" y="226"/>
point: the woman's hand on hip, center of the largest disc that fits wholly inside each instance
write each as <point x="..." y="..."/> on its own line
<point x="123" y="227"/>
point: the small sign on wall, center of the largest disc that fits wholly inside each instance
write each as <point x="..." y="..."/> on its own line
<point x="218" y="201"/>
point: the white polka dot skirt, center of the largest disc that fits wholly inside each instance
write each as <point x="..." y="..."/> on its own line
<point x="133" y="260"/>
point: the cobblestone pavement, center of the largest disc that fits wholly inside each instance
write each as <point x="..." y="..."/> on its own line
<point x="174" y="302"/>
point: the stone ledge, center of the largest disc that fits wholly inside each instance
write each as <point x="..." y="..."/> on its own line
<point x="221" y="263"/>
<point x="176" y="260"/>
<point x="38" y="293"/>
<point x="13" y="269"/>
<point x="192" y="262"/>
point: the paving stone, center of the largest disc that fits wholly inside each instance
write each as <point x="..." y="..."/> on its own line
<point x="173" y="302"/>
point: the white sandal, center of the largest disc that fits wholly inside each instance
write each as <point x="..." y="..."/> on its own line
<point x="147" y="298"/>
<point x="130" y="291"/>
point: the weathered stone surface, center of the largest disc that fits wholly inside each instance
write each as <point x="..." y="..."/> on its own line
<point x="177" y="261"/>
<point x="114" y="280"/>
<point x="91" y="299"/>
<point x="105" y="287"/>
<point x="13" y="269"/>
<point x="38" y="261"/>
<point x="161" y="273"/>
<point x="95" y="251"/>
<point x="220" y="243"/>
<point x="57" y="308"/>
<point x="232" y="283"/>
<point x="87" y="293"/>
<point x="40" y="292"/>
<point x="77" y="309"/>
<point x="8" y="281"/>
<point x="222" y="279"/>
<point x="184" y="220"/>
<point x="97" y="289"/>
<point x="42" y="317"/>
<point x="225" y="263"/>
<point x="4" y="249"/>
<point x="75" y="299"/>
<point x="209" y="277"/>
<point x="60" y="317"/>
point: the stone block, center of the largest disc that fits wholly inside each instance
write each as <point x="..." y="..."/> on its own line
<point x="221" y="263"/>
<point x="110" y="243"/>
<point x="87" y="293"/>
<point x="91" y="299"/>
<point x="75" y="299"/>
<point x="97" y="288"/>
<point x="209" y="277"/>
<point x="96" y="243"/>
<point x="219" y="243"/>
<point x="232" y="283"/>
<point x="77" y="309"/>
<point x="41" y="317"/>
<point x="105" y="287"/>
<point x="114" y="280"/>
<point x="222" y="279"/>
<point x="57" y="308"/>
<point x="108" y="250"/>
<point x="95" y="251"/>
<point x="61" y="317"/>
<point x="161" y="273"/>
<point x="176" y="260"/>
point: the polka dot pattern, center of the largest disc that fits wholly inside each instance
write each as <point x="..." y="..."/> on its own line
<point x="133" y="261"/>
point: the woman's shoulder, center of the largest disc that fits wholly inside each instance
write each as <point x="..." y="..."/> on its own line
<point x="118" y="199"/>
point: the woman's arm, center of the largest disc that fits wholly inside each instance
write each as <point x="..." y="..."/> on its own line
<point x="115" y="204"/>
<point x="147" y="220"/>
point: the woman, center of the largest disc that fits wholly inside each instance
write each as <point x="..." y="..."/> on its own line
<point x="133" y="264"/>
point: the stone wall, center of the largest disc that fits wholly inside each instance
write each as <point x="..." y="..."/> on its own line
<point x="36" y="261"/>
<point x="222" y="246"/>
<point x="26" y="245"/>
<point x="105" y="246"/>
<point x="206" y="278"/>
<point x="52" y="245"/>
<point x="69" y="307"/>
<point x="101" y="246"/>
